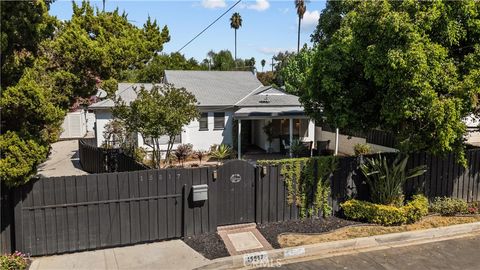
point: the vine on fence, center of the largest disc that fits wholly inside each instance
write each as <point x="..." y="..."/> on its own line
<point x="307" y="182"/>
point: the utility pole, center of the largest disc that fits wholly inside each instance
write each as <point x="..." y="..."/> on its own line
<point x="272" y="64"/>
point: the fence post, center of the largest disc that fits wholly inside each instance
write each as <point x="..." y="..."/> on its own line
<point x="184" y="210"/>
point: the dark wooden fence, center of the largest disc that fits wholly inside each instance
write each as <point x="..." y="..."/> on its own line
<point x="73" y="213"/>
<point x="95" y="159"/>
<point x="66" y="214"/>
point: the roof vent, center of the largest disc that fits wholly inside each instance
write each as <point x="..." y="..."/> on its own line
<point x="265" y="100"/>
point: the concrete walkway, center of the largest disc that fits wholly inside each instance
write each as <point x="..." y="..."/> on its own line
<point x="62" y="161"/>
<point x="174" y="254"/>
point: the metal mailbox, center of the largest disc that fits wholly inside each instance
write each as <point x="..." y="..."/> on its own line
<point x="200" y="192"/>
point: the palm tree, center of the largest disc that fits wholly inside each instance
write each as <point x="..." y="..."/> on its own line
<point x="103" y="9"/>
<point x="301" y="8"/>
<point x="235" y="23"/>
<point x="263" y="63"/>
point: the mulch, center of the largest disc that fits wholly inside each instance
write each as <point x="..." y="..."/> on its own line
<point x="309" y="225"/>
<point x="210" y="245"/>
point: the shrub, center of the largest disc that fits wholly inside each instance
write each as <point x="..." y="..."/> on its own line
<point x="183" y="151"/>
<point x="200" y="155"/>
<point x="386" y="180"/>
<point x="416" y="208"/>
<point x="362" y="149"/>
<point x="221" y="152"/>
<point x="297" y="148"/>
<point x="386" y="214"/>
<point x="15" y="261"/>
<point x="448" y="206"/>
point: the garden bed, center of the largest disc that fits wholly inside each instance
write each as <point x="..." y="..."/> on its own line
<point x="295" y="238"/>
<point x="272" y="231"/>
<point x="210" y="245"/>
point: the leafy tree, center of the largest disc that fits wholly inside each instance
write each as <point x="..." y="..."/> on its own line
<point x="301" y="9"/>
<point x="263" y="63"/>
<point x="266" y="78"/>
<point x="407" y="67"/>
<point x="94" y="46"/>
<point x="236" y="23"/>
<point x="222" y="60"/>
<point x="47" y="65"/>
<point x="25" y="24"/>
<point x="294" y="73"/>
<point x="153" y="71"/>
<point x="162" y="111"/>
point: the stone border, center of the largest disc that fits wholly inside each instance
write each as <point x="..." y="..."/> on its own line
<point x="277" y="256"/>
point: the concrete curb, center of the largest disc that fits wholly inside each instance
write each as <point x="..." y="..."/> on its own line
<point x="272" y="258"/>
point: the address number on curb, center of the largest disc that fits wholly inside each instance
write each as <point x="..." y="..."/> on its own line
<point x="255" y="258"/>
<point x="294" y="252"/>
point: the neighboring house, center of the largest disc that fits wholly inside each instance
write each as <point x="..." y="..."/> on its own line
<point x="225" y="96"/>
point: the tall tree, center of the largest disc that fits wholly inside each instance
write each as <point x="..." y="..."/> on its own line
<point x="295" y="72"/>
<point x="236" y="23"/>
<point x="407" y="67"/>
<point x="301" y="8"/>
<point x="263" y="62"/>
<point x="47" y="64"/>
<point x="161" y="111"/>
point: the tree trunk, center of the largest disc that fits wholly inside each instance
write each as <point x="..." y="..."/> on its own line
<point x="298" y="41"/>
<point x="235" y="46"/>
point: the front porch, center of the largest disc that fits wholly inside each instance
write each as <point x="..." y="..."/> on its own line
<point x="268" y="133"/>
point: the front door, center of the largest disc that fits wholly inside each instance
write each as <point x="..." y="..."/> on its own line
<point x="236" y="192"/>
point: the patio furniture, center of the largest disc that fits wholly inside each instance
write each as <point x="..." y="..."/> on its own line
<point x="323" y="148"/>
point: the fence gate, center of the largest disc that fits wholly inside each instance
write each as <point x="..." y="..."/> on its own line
<point x="236" y="192"/>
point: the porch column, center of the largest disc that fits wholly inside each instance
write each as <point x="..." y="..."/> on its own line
<point x="290" y="133"/>
<point x="239" y="150"/>
<point x="336" y="141"/>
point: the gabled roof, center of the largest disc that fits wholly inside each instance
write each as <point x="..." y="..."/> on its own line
<point x="215" y="88"/>
<point x="269" y="96"/>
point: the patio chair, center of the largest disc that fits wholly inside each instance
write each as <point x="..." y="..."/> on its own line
<point x="323" y="148"/>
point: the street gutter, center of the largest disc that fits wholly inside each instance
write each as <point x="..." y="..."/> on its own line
<point x="272" y="258"/>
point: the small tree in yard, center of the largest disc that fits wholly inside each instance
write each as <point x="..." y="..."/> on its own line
<point x="161" y="111"/>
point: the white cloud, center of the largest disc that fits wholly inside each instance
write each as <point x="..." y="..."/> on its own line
<point x="268" y="50"/>
<point x="214" y="3"/>
<point x="310" y="18"/>
<point x="260" y="5"/>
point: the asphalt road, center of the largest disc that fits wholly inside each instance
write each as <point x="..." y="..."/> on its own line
<point x="460" y="253"/>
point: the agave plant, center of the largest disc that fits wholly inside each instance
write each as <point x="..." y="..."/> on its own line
<point x="221" y="152"/>
<point x="386" y="180"/>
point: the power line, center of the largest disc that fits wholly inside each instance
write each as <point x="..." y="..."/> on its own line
<point x="210" y="25"/>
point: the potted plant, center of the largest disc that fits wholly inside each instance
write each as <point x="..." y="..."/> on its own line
<point x="268" y="129"/>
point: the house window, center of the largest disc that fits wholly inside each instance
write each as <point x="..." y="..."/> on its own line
<point x="219" y="120"/>
<point x="203" y="121"/>
<point x="163" y="140"/>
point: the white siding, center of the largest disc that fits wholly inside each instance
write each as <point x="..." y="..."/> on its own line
<point x="203" y="139"/>
<point x="102" y="118"/>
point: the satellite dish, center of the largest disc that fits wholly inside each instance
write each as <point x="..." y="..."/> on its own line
<point x="101" y="93"/>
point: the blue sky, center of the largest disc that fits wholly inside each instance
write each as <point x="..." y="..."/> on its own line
<point x="268" y="25"/>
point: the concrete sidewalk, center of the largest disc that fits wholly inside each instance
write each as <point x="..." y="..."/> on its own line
<point x="174" y="254"/>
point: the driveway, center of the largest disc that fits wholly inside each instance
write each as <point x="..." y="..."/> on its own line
<point x="174" y="254"/>
<point x="62" y="161"/>
<point x="460" y="253"/>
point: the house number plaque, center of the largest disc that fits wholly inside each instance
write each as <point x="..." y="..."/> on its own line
<point x="235" y="178"/>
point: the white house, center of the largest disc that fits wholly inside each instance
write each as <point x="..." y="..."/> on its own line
<point x="225" y="96"/>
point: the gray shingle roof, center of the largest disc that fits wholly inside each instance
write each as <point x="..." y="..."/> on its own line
<point x="213" y="88"/>
<point x="269" y="96"/>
